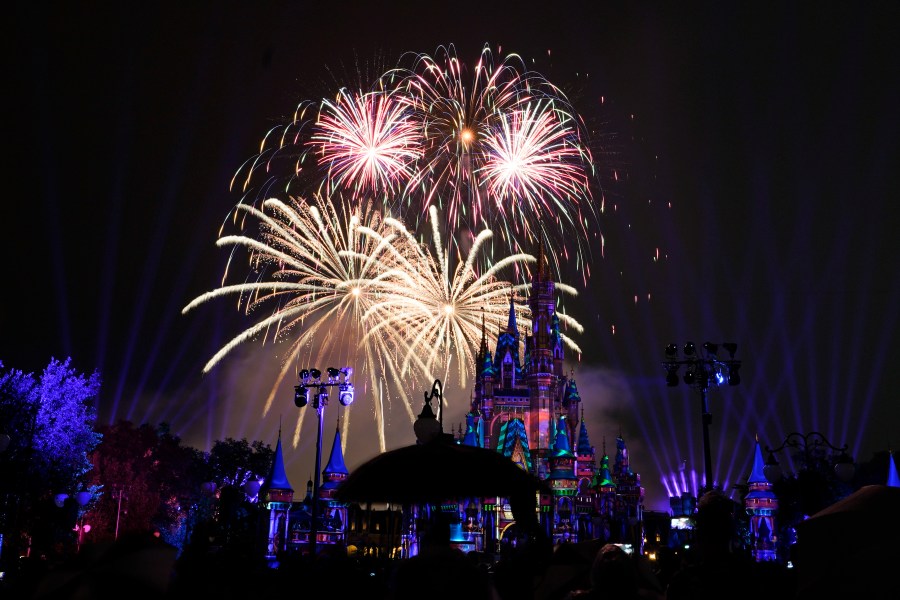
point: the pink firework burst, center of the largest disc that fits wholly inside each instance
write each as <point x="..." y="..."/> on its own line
<point x="533" y="165"/>
<point x="367" y="141"/>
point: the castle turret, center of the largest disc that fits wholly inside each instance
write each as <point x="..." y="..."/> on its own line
<point x="333" y="514"/>
<point x="563" y="483"/>
<point x="585" y="460"/>
<point x="545" y="382"/>
<point x="761" y="504"/>
<point x="278" y="496"/>
<point x="892" y="479"/>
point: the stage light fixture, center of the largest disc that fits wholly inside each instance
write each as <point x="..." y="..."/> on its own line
<point x="689" y="349"/>
<point x="671" y="351"/>
<point x="345" y="395"/>
<point x="672" y="377"/>
<point x="301" y="396"/>
<point x="710" y="348"/>
<point x="731" y="348"/>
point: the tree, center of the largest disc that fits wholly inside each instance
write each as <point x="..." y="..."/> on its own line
<point x="50" y="423"/>
<point x="149" y="479"/>
<point x="233" y="464"/>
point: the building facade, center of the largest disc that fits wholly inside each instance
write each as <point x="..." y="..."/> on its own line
<point x="527" y="408"/>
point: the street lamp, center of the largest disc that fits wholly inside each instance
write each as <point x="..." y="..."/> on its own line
<point x="810" y="443"/>
<point x="119" y="494"/>
<point x="81" y="498"/>
<point x="703" y="371"/>
<point x="312" y="378"/>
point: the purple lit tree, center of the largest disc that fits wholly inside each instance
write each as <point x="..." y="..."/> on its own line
<point x="49" y="421"/>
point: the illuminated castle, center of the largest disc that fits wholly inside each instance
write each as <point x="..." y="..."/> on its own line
<point x="528" y="409"/>
<point x="290" y="525"/>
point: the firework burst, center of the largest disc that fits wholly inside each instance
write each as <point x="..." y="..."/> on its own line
<point x="440" y="305"/>
<point x="339" y="283"/>
<point x="318" y="268"/>
<point x="502" y="149"/>
<point x="497" y="147"/>
<point x="366" y="140"/>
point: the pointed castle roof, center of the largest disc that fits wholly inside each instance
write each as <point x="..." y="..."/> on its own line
<point x="277" y="479"/>
<point x="893" y="480"/>
<point x="513" y="439"/>
<point x="604" y="478"/>
<point x="335" y="471"/>
<point x="511" y="326"/>
<point x="584" y="444"/>
<point x="561" y="444"/>
<point x="336" y="460"/>
<point x="757" y="475"/>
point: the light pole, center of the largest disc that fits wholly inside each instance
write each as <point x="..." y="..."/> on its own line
<point x="82" y="498"/>
<point x="312" y="378"/>
<point x="118" y="493"/>
<point x="703" y="372"/>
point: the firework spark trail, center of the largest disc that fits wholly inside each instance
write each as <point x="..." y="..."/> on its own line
<point x="322" y="272"/>
<point x="441" y="306"/>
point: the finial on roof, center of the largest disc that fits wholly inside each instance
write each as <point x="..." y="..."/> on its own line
<point x="540" y="258"/>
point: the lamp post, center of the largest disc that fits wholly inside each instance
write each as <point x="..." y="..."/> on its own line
<point x="810" y="443"/>
<point x="81" y="498"/>
<point x="312" y="378"/>
<point x="119" y="494"/>
<point x="703" y="371"/>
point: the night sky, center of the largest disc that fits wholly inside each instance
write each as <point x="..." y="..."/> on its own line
<point x="748" y="159"/>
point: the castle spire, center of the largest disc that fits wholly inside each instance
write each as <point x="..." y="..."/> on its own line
<point x="277" y="475"/>
<point x="540" y="258"/>
<point x="511" y="327"/>
<point x="336" y="461"/>
<point x="584" y="443"/>
<point x="756" y="474"/>
<point x="893" y="480"/>
<point x="482" y="351"/>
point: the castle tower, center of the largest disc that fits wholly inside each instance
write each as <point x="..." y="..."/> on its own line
<point x="563" y="483"/>
<point x="531" y="412"/>
<point x="761" y="504"/>
<point x="278" y="496"/>
<point x="333" y="519"/>
<point x="544" y="376"/>
<point x="629" y="499"/>
<point x="605" y="497"/>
